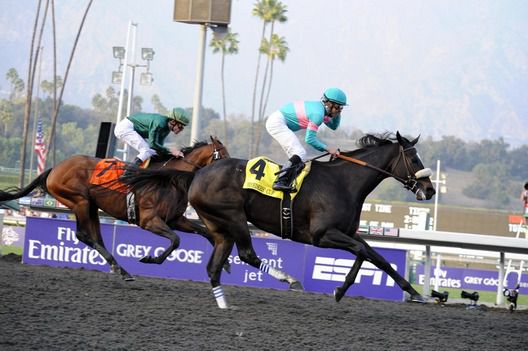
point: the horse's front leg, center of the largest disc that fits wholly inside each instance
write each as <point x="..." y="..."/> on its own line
<point x="157" y="226"/>
<point x="333" y="238"/>
<point x="339" y="292"/>
<point x="380" y="262"/>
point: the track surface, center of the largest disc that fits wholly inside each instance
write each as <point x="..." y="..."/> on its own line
<point x="45" y="308"/>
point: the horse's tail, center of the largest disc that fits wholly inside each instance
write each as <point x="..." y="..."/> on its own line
<point x="13" y="193"/>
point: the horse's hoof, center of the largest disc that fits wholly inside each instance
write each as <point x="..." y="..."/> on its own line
<point x="127" y="277"/>
<point x="296" y="286"/>
<point x="227" y="268"/>
<point x="146" y="259"/>
<point x="338" y="294"/>
<point x="417" y="298"/>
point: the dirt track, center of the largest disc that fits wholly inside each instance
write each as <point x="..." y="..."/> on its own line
<point x="45" y="308"/>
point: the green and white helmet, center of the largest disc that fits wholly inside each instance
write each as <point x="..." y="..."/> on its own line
<point x="179" y="115"/>
<point x="335" y="95"/>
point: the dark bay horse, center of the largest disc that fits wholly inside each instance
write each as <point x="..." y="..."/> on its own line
<point x="326" y="211"/>
<point x="69" y="183"/>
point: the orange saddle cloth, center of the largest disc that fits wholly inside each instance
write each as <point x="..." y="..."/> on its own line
<point x="106" y="174"/>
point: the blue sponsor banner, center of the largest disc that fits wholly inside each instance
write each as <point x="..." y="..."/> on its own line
<point x="187" y="262"/>
<point x="471" y="279"/>
<point x="53" y="242"/>
<point x="326" y="269"/>
<point x="284" y="255"/>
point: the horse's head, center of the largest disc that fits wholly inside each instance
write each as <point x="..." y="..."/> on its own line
<point x="409" y="168"/>
<point x="219" y="150"/>
<point x="202" y="153"/>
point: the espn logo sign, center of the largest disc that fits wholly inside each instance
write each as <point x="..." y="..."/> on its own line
<point x="336" y="269"/>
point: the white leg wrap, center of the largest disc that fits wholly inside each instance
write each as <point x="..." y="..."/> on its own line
<point x="275" y="273"/>
<point x="218" y="293"/>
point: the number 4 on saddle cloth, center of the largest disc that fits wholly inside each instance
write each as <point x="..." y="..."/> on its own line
<point x="261" y="173"/>
<point x="107" y="172"/>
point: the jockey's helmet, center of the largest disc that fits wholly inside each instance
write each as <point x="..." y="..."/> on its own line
<point x="335" y="95"/>
<point x="179" y="115"/>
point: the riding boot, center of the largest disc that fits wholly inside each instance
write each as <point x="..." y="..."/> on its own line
<point x="285" y="180"/>
<point x="137" y="162"/>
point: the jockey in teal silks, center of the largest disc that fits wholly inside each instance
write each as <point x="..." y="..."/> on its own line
<point x="308" y="115"/>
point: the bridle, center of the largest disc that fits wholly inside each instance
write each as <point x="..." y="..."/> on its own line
<point x="215" y="155"/>
<point x="410" y="182"/>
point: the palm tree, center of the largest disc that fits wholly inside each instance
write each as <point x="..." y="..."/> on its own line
<point x="277" y="48"/>
<point x="17" y="84"/>
<point x="269" y="11"/>
<point x="58" y="102"/>
<point x="29" y="93"/>
<point x="227" y="46"/>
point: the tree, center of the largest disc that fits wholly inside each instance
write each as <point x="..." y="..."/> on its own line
<point x="268" y="11"/>
<point x="58" y="104"/>
<point x="17" y="85"/>
<point x="276" y="48"/>
<point x="227" y="46"/>
<point x="49" y="87"/>
<point x="490" y="183"/>
<point x="29" y="94"/>
<point x="158" y="106"/>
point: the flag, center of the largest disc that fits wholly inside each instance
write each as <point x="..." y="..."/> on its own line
<point x="40" y="147"/>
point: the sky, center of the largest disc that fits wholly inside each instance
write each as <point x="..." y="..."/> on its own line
<point x="412" y="65"/>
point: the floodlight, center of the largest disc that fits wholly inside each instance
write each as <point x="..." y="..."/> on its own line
<point x="147" y="54"/>
<point x="117" y="76"/>
<point x="146" y="78"/>
<point x="474" y="296"/>
<point x="219" y="31"/>
<point x="119" y="52"/>
<point x="440" y="297"/>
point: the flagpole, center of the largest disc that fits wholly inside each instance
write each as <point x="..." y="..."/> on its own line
<point x="32" y="153"/>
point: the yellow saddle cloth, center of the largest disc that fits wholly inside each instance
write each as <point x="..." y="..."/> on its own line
<point x="260" y="176"/>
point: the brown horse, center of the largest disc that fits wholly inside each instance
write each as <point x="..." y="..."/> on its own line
<point x="69" y="183"/>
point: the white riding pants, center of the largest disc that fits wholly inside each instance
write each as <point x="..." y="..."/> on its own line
<point x="278" y="129"/>
<point x="124" y="130"/>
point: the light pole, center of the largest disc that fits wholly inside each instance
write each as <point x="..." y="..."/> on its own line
<point x="442" y="189"/>
<point x="119" y="76"/>
<point x="215" y="14"/>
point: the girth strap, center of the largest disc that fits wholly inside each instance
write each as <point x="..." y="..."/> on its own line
<point x="131" y="208"/>
<point x="286" y="216"/>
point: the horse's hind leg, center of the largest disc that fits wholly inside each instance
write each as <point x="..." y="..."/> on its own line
<point x="246" y="252"/>
<point x="217" y="260"/>
<point x="157" y="226"/>
<point x="185" y="225"/>
<point x="89" y="232"/>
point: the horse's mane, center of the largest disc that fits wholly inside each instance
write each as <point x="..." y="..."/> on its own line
<point x="369" y="141"/>
<point x="188" y="149"/>
<point x="159" y="182"/>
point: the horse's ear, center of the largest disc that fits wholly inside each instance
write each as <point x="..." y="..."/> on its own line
<point x="399" y="137"/>
<point x="212" y="140"/>
<point x="415" y="140"/>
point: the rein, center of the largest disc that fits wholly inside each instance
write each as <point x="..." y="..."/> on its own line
<point x="366" y="164"/>
<point x="412" y="179"/>
<point x="215" y="155"/>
